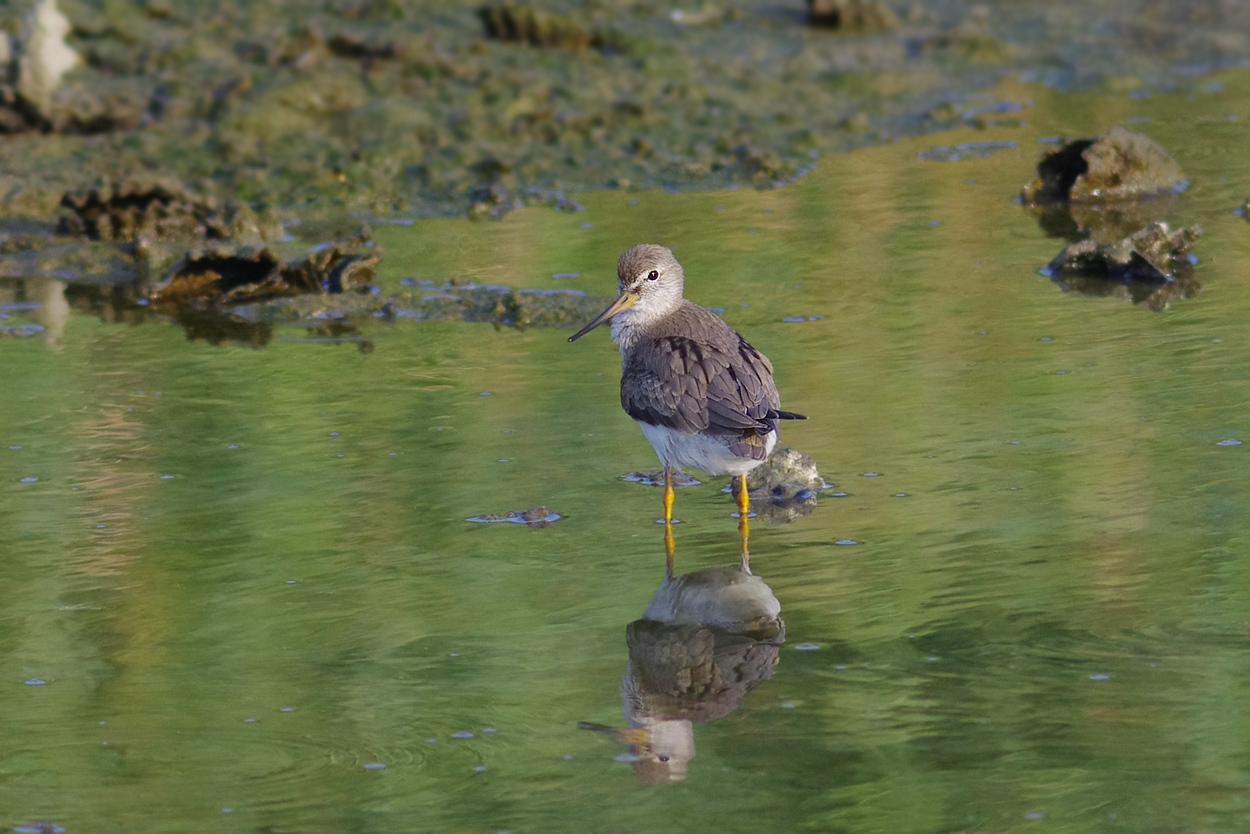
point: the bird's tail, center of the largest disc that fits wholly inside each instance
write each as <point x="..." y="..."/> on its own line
<point x="774" y="414"/>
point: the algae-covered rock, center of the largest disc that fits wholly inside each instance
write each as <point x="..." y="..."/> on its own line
<point x="852" y="15"/>
<point x="1119" y="166"/>
<point x="1155" y="254"/>
<point x="155" y="208"/>
<point x="784" y="487"/>
<point x="226" y="273"/>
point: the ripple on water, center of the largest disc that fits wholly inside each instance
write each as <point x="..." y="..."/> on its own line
<point x="289" y="757"/>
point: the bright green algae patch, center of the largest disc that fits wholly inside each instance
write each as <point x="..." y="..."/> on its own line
<point x="1044" y="612"/>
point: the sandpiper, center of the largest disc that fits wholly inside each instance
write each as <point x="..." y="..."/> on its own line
<point x="702" y="395"/>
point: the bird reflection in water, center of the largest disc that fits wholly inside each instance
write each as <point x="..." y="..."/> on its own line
<point x="705" y="640"/>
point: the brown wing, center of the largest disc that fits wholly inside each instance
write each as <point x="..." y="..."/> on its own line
<point x="693" y="387"/>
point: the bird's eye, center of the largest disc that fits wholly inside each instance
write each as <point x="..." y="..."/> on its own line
<point x="653" y="275"/>
<point x="664" y="758"/>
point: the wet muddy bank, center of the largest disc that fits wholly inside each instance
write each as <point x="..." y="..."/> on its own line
<point x="433" y="108"/>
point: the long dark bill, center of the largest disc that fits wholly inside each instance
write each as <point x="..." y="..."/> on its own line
<point x="623" y="303"/>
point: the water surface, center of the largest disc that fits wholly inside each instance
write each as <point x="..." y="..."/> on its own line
<point x="240" y="594"/>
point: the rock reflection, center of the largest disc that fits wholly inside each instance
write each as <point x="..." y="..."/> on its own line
<point x="705" y="640"/>
<point x="1101" y="222"/>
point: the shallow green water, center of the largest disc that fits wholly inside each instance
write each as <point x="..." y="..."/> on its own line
<point x="1047" y="630"/>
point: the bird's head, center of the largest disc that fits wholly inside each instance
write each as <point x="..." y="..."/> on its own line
<point x="650" y="283"/>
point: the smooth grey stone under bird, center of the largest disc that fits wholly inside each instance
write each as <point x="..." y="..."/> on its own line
<point x="702" y="395"/>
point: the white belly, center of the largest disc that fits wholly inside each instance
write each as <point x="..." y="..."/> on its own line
<point x="705" y="452"/>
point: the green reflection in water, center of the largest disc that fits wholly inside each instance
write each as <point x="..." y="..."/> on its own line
<point x="1055" y="528"/>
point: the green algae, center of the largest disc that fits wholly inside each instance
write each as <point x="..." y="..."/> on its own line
<point x="413" y="107"/>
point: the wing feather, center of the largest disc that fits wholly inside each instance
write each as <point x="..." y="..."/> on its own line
<point x="681" y="384"/>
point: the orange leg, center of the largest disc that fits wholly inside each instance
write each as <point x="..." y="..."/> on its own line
<point x="744" y="507"/>
<point x="669" y="542"/>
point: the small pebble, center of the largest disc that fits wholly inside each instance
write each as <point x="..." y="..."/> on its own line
<point x="807" y="647"/>
<point x="167" y="477"/>
<point x="1100" y="676"/>
<point x="871" y="474"/>
<point x="1033" y="815"/>
<point x="462" y="734"/>
<point x="29" y="479"/>
<point x="846" y="541"/>
<point x="484" y="393"/>
<point x="1229" y="442"/>
<point x="585" y="224"/>
<point x="34" y="681"/>
<point x="479" y="768"/>
<point x="334" y="434"/>
<point x="486" y="730"/>
<point x="375" y="766"/>
<point x="788" y="705"/>
<point x="287" y="709"/>
<point x="233" y="446"/>
<point x="15" y="448"/>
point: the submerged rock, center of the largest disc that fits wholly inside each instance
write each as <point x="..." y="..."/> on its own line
<point x="1119" y="166"/>
<point x="533" y="517"/>
<point x="852" y="15"/>
<point x="154" y="208"/>
<point x="784" y="487"/>
<point x="227" y="273"/>
<point x="1152" y="266"/>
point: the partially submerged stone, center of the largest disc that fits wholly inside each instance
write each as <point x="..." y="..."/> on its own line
<point x="227" y="273"/>
<point x="1120" y="166"/>
<point x="852" y="15"/>
<point x="655" y="477"/>
<point x="154" y="208"/>
<point x="784" y="487"/>
<point x="1156" y="254"/>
